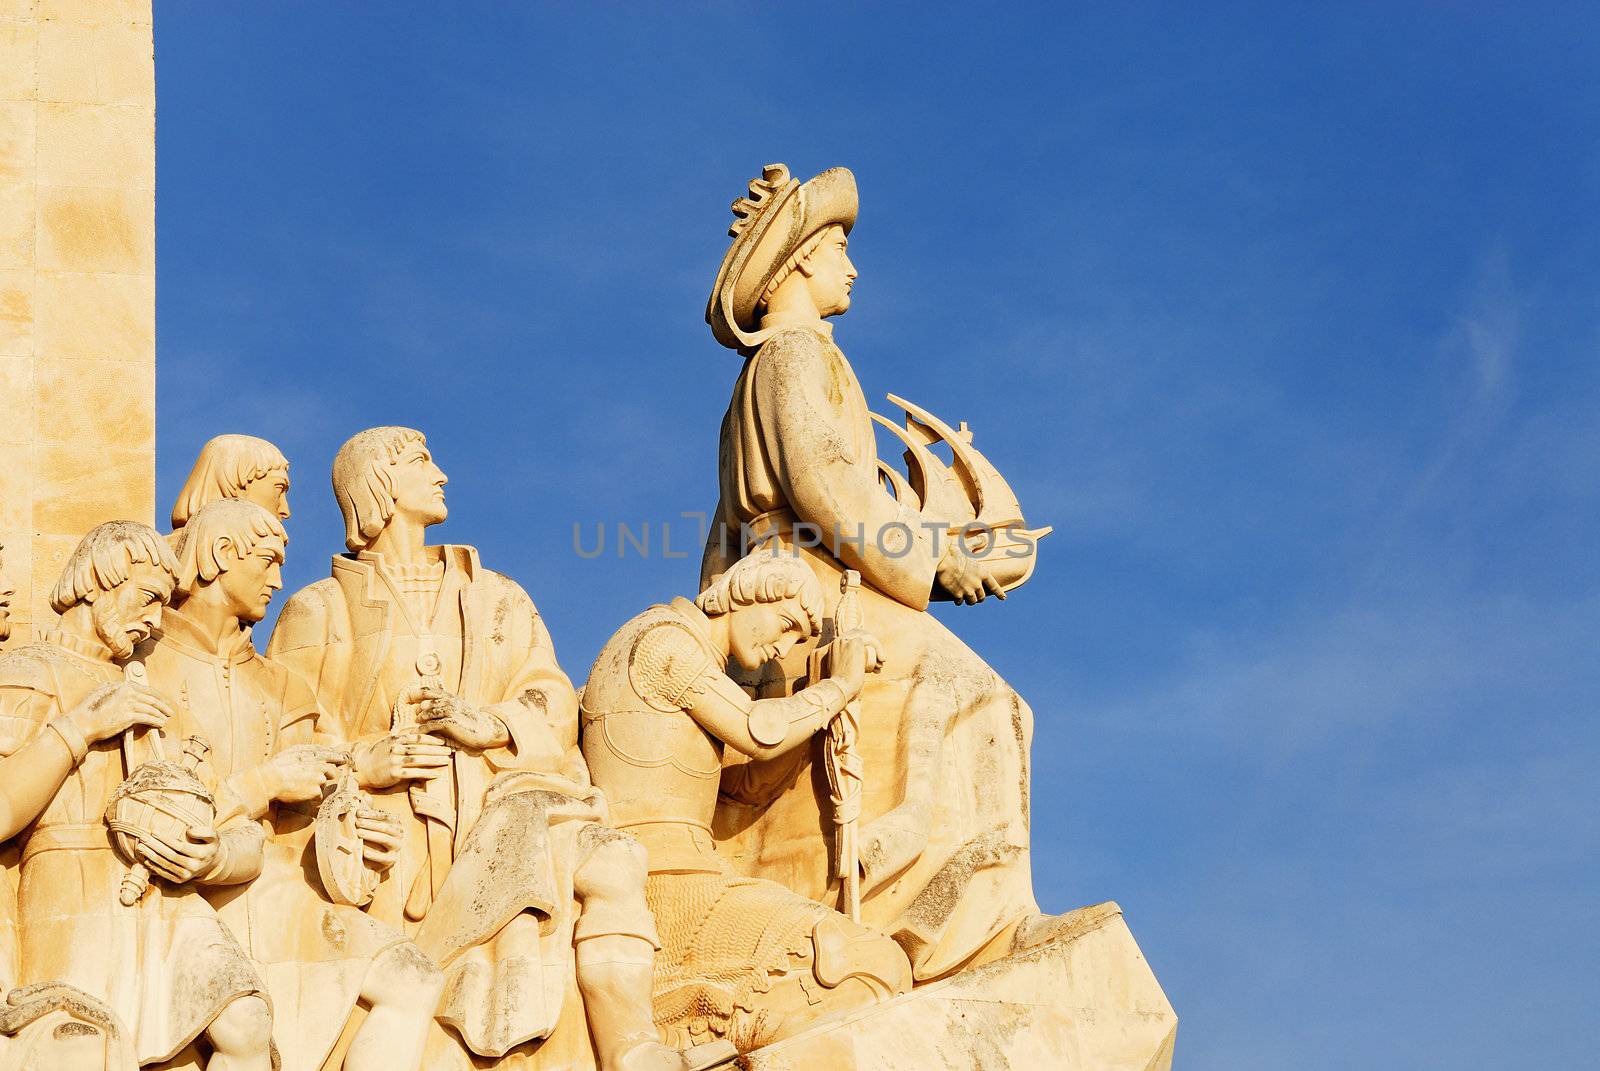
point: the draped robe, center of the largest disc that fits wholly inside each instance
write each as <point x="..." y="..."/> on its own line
<point x="515" y="809"/>
<point x="166" y="966"/>
<point x="313" y="954"/>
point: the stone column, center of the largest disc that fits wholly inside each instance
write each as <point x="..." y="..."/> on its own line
<point x="77" y="282"/>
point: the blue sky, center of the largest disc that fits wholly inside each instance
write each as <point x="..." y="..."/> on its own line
<point x="1286" y="316"/>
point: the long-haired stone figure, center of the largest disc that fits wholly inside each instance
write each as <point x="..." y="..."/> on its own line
<point x="465" y="730"/>
<point x="272" y="751"/>
<point x="235" y="466"/>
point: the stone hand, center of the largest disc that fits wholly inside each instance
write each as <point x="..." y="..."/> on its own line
<point x="855" y="654"/>
<point x="184" y="860"/>
<point x="380" y="837"/>
<point x="396" y="757"/>
<point x="964" y="577"/>
<point x="115" y="708"/>
<point x="445" y="714"/>
<point x="297" y="774"/>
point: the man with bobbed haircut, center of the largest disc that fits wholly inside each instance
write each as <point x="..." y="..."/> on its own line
<point x="166" y="966"/>
<point x="235" y="466"/>
<point x="465" y="729"/>
<point x="364" y="480"/>
<point x="231" y="529"/>
<point x="272" y="752"/>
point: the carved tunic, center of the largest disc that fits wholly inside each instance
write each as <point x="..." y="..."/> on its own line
<point x="167" y="965"/>
<point x="945" y="740"/>
<point x="797" y="445"/>
<point x="657" y="766"/>
<point x="354" y="638"/>
<point x="654" y="696"/>
<point x="312" y="954"/>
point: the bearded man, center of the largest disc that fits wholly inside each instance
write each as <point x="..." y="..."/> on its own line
<point x="466" y="730"/>
<point x="944" y="740"/>
<point x="165" y="965"/>
<point x="31" y="771"/>
<point x="273" y="754"/>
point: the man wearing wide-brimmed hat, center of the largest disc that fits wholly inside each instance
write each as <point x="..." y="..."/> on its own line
<point x="944" y="844"/>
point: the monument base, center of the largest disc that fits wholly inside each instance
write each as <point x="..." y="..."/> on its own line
<point x="1084" y="1001"/>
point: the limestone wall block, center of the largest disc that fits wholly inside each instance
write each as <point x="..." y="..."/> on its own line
<point x="17" y="140"/>
<point x="49" y="556"/>
<point x="110" y="62"/>
<point x="74" y="492"/>
<point x="94" y="12"/>
<point x="95" y="404"/>
<point x="96" y="145"/>
<point x="16" y="401"/>
<point x="17" y="224"/>
<point x="89" y="229"/>
<point x="18" y="544"/>
<point x="16" y="487"/>
<point x="97" y="315"/>
<point x="18" y="49"/>
<point x="16" y="316"/>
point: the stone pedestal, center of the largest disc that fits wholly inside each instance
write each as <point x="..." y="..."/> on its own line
<point x="77" y="283"/>
<point x="1085" y="1001"/>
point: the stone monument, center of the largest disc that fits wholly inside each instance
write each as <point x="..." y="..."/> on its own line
<point x="785" y="825"/>
<point x="77" y="283"/>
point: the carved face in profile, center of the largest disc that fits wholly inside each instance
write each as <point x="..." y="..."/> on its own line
<point x="128" y="613"/>
<point x="250" y="580"/>
<point x="270" y="492"/>
<point x="763" y="632"/>
<point x="828" y="272"/>
<point x="418" y="485"/>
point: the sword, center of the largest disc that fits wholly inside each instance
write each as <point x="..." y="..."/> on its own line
<point x="844" y="765"/>
<point x="433" y="802"/>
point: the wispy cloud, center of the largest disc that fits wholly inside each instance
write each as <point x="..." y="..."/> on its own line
<point x="1490" y="329"/>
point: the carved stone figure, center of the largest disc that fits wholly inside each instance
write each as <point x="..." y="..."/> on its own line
<point x="73" y="723"/>
<point x="743" y="958"/>
<point x="235" y="466"/>
<point x="943" y="739"/>
<point x="272" y="755"/>
<point x="466" y="730"/>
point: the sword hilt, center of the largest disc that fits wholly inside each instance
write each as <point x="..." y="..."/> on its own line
<point x="847" y="616"/>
